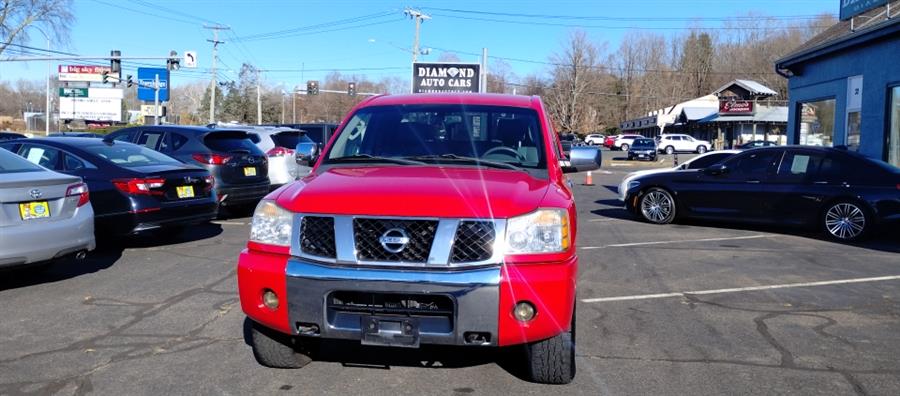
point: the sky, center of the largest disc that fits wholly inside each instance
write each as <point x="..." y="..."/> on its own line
<point x="304" y="40"/>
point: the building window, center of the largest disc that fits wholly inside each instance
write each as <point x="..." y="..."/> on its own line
<point x="817" y="123"/>
<point x="853" y="123"/>
<point x="893" y="146"/>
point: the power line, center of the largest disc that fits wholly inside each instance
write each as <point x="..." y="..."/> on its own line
<point x="569" y="25"/>
<point x="289" y="32"/>
<point x="144" y="12"/>
<point x="624" y="19"/>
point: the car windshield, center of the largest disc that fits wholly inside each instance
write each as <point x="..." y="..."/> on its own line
<point x="130" y="155"/>
<point x="643" y="143"/>
<point x="446" y="134"/>
<point x="11" y="163"/>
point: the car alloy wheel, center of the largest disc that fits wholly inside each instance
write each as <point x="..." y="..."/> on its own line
<point x="670" y="150"/>
<point x="625" y="147"/>
<point x="845" y="221"/>
<point x="701" y="149"/>
<point x="658" y="206"/>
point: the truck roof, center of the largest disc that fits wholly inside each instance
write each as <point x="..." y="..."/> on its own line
<point x="453" y="98"/>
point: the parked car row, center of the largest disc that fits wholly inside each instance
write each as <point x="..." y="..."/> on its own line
<point x="841" y="192"/>
<point x="137" y="179"/>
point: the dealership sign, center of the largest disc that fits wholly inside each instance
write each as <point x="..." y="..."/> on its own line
<point x="83" y="73"/>
<point x="735" y="107"/>
<point x="445" y="77"/>
<point x="852" y="8"/>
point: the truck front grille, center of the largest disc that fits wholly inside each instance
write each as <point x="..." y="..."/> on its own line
<point x="317" y="236"/>
<point x="474" y="241"/>
<point x="369" y="235"/>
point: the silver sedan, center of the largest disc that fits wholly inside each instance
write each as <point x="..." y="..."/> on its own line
<point x="44" y="215"/>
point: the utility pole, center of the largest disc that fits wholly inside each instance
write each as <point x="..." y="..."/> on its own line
<point x="212" y="91"/>
<point x="156" y="100"/>
<point x="419" y="16"/>
<point x="258" y="100"/>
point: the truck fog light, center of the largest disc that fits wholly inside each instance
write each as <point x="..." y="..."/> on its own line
<point x="524" y="311"/>
<point x="270" y="299"/>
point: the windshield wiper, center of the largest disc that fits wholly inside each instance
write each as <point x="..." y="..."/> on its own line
<point x="373" y="158"/>
<point x="469" y="160"/>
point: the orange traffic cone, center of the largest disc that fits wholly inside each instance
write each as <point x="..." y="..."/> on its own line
<point x="589" y="179"/>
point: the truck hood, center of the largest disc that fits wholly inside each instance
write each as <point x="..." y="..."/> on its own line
<point x="416" y="191"/>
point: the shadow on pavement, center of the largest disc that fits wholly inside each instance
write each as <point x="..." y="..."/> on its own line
<point x="353" y="354"/>
<point x="883" y="239"/>
<point x="108" y="251"/>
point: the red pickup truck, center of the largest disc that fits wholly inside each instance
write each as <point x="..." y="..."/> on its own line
<point x="427" y="219"/>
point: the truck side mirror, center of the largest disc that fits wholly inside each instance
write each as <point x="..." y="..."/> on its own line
<point x="583" y="159"/>
<point x="306" y="153"/>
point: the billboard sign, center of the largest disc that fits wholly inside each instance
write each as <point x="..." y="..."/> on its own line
<point x="146" y="77"/>
<point x="852" y="8"/>
<point x="73" y="92"/>
<point x="446" y="77"/>
<point x="82" y="73"/>
<point x="735" y="107"/>
<point x="90" y="109"/>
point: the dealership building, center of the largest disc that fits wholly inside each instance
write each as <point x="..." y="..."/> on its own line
<point x="844" y="84"/>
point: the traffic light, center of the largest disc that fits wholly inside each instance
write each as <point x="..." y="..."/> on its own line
<point x="312" y="87"/>
<point x="128" y="81"/>
<point x="115" y="63"/>
<point x="351" y="89"/>
<point x="173" y="63"/>
<point x="105" y="76"/>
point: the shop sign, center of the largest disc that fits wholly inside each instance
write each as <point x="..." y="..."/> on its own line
<point x="735" y="107"/>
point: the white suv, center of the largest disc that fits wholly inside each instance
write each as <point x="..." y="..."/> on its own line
<point x="624" y="142"/>
<point x="671" y="144"/>
<point x="594" y="139"/>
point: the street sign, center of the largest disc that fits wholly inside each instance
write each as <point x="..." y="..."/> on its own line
<point x="146" y="77"/>
<point x="147" y="110"/>
<point x="90" y="109"/>
<point x="73" y="92"/>
<point x="190" y="59"/>
<point x="82" y="73"/>
<point x="445" y="77"/>
<point x="852" y="8"/>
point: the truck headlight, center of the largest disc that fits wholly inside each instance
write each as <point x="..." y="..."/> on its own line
<point x="271" y="224"/>
<point x="542" y="231"/>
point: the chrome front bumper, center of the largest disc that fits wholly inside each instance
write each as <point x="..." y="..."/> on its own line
<point x="475" y="294"/>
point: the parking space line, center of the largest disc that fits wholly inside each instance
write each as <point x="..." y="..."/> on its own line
<point x="742" y="289"/>
<point x="229" y="223"/>
<point x="678" y="241"/>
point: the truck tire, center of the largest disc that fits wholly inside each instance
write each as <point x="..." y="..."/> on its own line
<point x="552" y="361"/>
<point x="277" y="350"/>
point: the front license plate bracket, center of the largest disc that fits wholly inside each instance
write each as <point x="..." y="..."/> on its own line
<point x="389" y="331"/>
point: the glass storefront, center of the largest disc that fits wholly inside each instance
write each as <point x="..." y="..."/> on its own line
<point x="893" y="146"/>
<point x="817" y="123"/>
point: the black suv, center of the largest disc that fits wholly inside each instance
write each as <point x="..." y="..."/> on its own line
<point x="240" y="168"/>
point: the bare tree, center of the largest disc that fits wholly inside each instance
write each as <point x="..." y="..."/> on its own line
<point x="574" y="75"/>
<point x="17" y="16"/>
<point x="448" y="57"/>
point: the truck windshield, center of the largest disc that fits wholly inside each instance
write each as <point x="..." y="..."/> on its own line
<point x="445" y="134"/>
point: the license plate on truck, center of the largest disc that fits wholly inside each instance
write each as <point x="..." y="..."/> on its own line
<point x="250" y="171"/>
<point x="185" y="191"/>
<point x="34" y="210"/>
<point x="389" y="331"/>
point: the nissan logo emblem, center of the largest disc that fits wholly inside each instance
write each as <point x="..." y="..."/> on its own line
<point x="35" y="193"/>
<point x="394" y="240"/>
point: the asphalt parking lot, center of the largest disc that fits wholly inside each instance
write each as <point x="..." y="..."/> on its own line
<point x="691" y="308"/>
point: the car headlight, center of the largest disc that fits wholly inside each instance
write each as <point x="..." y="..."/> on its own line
<point x="271" y="224"/>
<point x="543" y="231"/>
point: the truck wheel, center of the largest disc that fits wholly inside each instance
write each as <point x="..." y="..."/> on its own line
<point x="277" y="350"/>
<point x="552" y="361"/>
